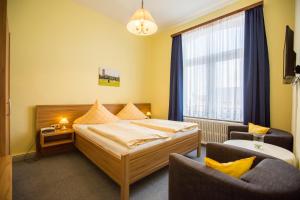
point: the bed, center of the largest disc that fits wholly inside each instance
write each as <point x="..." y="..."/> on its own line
<point x="122" y="165"/>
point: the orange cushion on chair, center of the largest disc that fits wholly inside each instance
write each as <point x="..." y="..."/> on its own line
<point x="97" y="114"/>
<point x="130" y="111"/>
<point x="257" y="129"/>
<point x="235" y="169"/>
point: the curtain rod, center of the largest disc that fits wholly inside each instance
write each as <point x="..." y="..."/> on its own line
<point x="220" y="17"/>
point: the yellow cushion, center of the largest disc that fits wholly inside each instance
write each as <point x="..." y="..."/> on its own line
<point x="257" y="129"/>
<point x="97" y="114"/>
<point x="130" y="111"/>
<point x="236" y="168"/>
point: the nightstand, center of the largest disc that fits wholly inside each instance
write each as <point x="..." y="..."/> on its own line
<point x="56" y="141"/>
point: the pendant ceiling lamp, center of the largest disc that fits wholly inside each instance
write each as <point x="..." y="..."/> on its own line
<point x="142" y="23"/>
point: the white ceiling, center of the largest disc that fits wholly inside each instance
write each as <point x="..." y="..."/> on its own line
<point x="165" y="12"/>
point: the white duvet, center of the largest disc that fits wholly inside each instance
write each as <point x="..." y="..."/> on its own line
<point x="129" y="135"/>
<point x="165" y="125"/>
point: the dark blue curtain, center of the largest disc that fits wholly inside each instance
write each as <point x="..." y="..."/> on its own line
<point x="176" y="81"/>
<point x="256" y="69"/>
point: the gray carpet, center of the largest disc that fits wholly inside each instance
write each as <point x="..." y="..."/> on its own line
<point x="71" y="176"/>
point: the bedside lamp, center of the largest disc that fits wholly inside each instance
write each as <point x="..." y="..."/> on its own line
<point x="63" y="122"/>
<point x="148" y="114"/>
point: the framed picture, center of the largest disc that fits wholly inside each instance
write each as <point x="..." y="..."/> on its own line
<point x="109" y="77"/>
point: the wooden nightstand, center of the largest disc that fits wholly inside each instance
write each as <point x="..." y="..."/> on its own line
<point x="56" y="141"/>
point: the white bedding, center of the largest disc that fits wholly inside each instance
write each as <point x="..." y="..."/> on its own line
<point x="165" y="125"/>
<point x="119" y="149"/>
<point x="129" y="135"/>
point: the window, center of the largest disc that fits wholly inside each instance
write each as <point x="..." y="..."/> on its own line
<point x="213" y="57"/>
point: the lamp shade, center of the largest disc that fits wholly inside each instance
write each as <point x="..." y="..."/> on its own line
<point x="148" y="113"/>
<point x="64" y="121"/>
<point x="142" y="23"/>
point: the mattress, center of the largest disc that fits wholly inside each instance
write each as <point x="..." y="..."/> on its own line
<point x="118" y="149"/>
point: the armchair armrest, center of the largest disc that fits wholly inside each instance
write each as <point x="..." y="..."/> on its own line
<point x="228" y="153"/>
<point x="241" y="128"/>
<point x="280" y="138"/>
<point x="234" y="135"/>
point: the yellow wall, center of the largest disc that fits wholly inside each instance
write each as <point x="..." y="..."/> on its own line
<point x="58" y="45"/>
<point x="56" y="49"/>
<point x="278" y="13"/>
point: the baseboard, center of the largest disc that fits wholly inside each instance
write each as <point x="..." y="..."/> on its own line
<point x="24" y="156"/>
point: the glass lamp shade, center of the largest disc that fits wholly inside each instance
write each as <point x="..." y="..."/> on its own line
<point x="142" y="23"/>
<point x="148" y="114"/>
<point x="63" y="122"/>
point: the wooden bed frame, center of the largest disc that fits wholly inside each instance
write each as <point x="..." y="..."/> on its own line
<point x="128" y="168"/>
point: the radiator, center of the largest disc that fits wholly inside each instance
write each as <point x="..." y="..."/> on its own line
<point x="212" y="130"/>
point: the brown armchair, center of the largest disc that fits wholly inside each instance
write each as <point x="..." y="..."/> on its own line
<point x="269" y="178"/>
<point x="274" y="136"/>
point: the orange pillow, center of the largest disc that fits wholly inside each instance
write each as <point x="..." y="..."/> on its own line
<point x="257" y="129"/>
<point x="130" y="111"/>
<point x="97" y="114"/>
<point x="235" y="169"/>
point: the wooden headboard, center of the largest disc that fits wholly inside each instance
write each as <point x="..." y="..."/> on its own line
<point x="47" y="115"/>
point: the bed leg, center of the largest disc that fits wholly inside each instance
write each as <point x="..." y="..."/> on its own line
<point x="198" y="151"/>
<point x="125" y="178"/>
<point x="125" y="192"/>
<point x="199" y="144"/>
